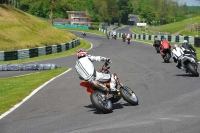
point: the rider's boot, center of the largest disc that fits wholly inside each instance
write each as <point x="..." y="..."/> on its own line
<point x="178" y="64"/>
<point x="113" y="82"/>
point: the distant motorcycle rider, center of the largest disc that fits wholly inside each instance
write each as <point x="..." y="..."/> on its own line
<point x="123" y="35"/>
<point x="83" y="33"/>
<point x="164" y="44"/>
<point x="114" y="33"/>
<point x="157" y="43"/>
<point x="85" y="68"/>
<point x="177" y="55"/>
<point x="128" y="37"/>
<point x="189" y="47"/>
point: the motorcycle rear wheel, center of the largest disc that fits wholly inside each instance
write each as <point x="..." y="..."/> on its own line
<point x="101" y="104"/>
<point x="157" y="49"/>
<point x="167" y="57"/>
<point x="129" y="96"/>
<point x="194" y="72"/>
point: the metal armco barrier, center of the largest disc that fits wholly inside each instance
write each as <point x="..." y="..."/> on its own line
<point x="39" y="51"/>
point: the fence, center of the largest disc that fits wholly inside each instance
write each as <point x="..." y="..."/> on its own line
<point x="71" y="26"/>
<point x="39" y="51"/>
<point x="170" y="38"/>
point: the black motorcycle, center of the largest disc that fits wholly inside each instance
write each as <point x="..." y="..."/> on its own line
<point x="108" y="36"/>
<point x="128" y="41"/>
<point x="157" y="48"/>
<point x="83" y="33"/>
<point x="167" y="55"/>
<point x="115" y="37"/>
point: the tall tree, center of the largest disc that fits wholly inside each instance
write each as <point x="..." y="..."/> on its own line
<point x="125" y="8"/>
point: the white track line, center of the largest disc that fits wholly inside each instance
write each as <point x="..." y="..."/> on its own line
<point x="32" y="93"/>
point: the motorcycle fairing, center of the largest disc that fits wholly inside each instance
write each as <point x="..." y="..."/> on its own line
<point x="89" y="87"/>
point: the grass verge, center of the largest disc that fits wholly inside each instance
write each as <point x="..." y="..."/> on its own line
<point x="13" y="90"/>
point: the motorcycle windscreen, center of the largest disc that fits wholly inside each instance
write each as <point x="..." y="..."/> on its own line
<point x="89" y="87"/>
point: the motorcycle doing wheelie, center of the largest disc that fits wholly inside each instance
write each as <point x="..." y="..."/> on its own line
<point x="103" y="100"/>
<point x="190" y="63"/>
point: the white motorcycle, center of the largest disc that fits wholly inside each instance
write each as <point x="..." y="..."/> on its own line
<point x="190" y="63"/>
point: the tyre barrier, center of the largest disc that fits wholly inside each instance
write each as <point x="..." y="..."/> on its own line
<point x="39" y="51"/>
<point x="28" y="67"/>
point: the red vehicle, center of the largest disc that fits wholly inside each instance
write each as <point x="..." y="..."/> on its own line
<point x="165" y="50"/>
<point x="103" y="100"/>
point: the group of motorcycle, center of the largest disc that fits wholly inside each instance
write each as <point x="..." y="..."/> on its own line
<point x="124" y="38"/>
<point x="113" y="36"/>
<point x="189" y="59"/>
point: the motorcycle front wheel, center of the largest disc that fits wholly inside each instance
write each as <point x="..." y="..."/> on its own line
<point x="129" y="96"/>
<point x="191" y="68"/>
<point x="100" y="102"/>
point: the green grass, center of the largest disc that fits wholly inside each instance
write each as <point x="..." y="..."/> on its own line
<point x="13" y="90"/>
<point x="84" y="44"/>
<point x="176" y="26"/>
<point x="20" y="30"/>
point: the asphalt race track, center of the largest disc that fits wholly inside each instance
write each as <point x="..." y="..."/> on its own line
<point x="169" y="99"/>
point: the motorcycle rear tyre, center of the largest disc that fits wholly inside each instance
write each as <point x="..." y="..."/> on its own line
<point x="99" y="106"/>
<point x="167" y="57"/>
<point x="157" y="49"/>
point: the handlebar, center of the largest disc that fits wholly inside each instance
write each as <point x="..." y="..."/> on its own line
<point x="105" y="67"/>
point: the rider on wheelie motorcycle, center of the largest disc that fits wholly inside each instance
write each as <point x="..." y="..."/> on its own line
<point x="87" y="72"/>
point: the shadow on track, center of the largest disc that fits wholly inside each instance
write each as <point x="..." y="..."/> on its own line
<point x="185" y="75"/>
<point x="115" y="106"/>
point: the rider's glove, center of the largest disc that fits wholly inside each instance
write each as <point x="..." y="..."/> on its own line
<point x="108" y="60"/>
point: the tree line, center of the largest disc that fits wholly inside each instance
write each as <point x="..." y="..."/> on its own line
<point x="151" y="11"/>
<point x="158" y="12"/>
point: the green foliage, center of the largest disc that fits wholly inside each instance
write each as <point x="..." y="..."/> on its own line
<point x="157" y="12"/>
<point x="125" y="8"/>
<point x="99" y="10"/>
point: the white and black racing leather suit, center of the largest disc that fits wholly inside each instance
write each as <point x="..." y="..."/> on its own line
<point x="87" y="72"/>
<point x="177" y="55"/>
